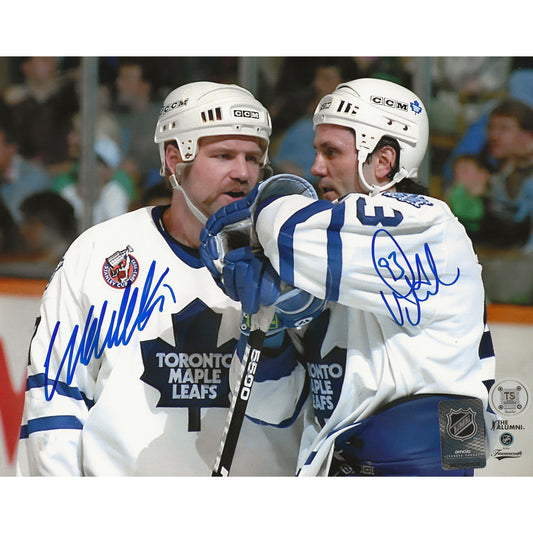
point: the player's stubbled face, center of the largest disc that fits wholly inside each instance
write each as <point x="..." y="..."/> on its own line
<point x="225" y="169"/>
<point x="335" y="163"/>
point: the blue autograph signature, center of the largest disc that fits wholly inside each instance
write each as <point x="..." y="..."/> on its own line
<point x="120" y="330"/>
<point x="409" y="288"/>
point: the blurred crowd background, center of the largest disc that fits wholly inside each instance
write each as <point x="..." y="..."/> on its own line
<point x="76" y="144"/>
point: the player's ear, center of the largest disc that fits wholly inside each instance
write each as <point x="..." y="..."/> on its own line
<point x="385" y="159"/>
<point x="172" y="157"/>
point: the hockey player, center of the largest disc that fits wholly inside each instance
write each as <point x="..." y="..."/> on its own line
<point x="131" y="356"/>
<point x="400" y="362"/>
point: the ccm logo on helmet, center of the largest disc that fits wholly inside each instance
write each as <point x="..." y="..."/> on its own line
<point x="245" y="113"/>
<point x="389" y="102"/>
<point x="174" y="105"/>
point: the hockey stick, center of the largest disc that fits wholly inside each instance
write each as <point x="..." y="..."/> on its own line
<point x="260" y="322"/>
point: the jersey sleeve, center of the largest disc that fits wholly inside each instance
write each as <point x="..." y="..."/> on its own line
<point x="61" y="376"/>
<point x="374" y="253"/>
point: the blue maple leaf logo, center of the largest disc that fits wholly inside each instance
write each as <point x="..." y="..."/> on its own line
<point x="192" y="373"/>
<point x="326" y="374"/>
<point x="416" y="107"/>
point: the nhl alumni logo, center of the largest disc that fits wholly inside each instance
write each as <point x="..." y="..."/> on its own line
<point x="461" y="424"/>
<point x="120" y="269"/>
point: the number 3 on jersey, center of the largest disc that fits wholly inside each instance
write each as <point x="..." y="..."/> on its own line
<point x="378" y="217"/>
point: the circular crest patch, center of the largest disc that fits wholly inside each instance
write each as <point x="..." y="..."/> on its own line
<point x="120" y="269"/>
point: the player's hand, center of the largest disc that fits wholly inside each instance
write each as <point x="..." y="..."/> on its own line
<point x="246" y="208"/>
<point x="245" y="275"/>
<point x="232" y="226"/>
<point x="250" y="279"/>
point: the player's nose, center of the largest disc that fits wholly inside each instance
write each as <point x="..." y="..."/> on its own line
<point x="318" y="168"/>
<point x="240" y="169"/>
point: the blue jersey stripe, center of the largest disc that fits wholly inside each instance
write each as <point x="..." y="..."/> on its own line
<point x="47" y="423"/>
<point x="486" y="348"/>
<point x="310" y="458"/>
<point x="286" y="238"/>
<point x="489" y="384"/>
<point x="38" y="380"/>
<point x="333" y="280"/>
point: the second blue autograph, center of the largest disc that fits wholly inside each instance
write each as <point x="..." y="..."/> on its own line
<point x="411" y="282"/>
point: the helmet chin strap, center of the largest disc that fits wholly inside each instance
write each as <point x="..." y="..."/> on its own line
<point x="175" y="184"/>
<point x="374" y="189"/>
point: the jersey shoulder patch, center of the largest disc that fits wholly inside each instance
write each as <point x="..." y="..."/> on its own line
<point x="415" y="200"/>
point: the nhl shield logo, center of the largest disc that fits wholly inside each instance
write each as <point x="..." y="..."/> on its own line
<point x="120" y="269"/>
<point x="461" y="424"/>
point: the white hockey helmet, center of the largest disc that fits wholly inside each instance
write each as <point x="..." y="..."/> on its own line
<point x="375" y="108"/>
<point x="203" y="109"/>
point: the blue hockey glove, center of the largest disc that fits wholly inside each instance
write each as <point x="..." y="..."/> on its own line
<point x="245" y="208"/>
<point x="251" y="279"/>
<point x="232" y="226"/>
<point x="230" y="251"/>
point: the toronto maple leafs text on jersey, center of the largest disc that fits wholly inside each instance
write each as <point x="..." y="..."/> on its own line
<point x="132" y="362"/>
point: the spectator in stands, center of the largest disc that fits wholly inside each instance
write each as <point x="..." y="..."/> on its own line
<point x="468" y="194"/>
<point x="510" y="205"/>
<point x="395" y="69"/>
<point x="291" y="93"/>
<point x="135" y="112"/>
<point x="465" y="87"/>
<point x="18" y="177"/>
<point x="295" y="154"/>
<point x="115" y="188"/>
<point x="9" y="233"/>
<point x="48" y="226"/>
<point x="474" y="140"/>
<point x="41" y="108"/>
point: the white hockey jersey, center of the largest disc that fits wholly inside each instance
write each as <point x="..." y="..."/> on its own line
<point x="406" y="311"/>
<point x="130" y="364"/>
